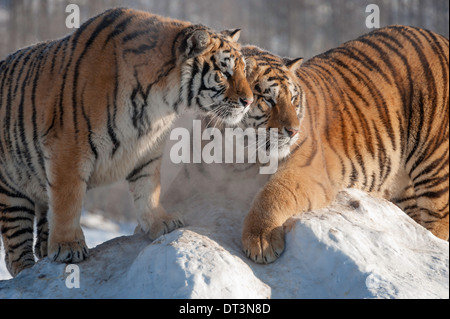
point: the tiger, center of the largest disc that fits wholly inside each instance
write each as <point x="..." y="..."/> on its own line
<point x="370" y="114"/>
<point x="95" y="107"/>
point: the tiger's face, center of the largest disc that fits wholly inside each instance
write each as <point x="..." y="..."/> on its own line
<point x="278" y="100"/>
<point x="217" y="83"/>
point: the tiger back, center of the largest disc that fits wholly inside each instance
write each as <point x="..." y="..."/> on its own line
<point x="95" y="107"/>
<point x="374" y="117"/>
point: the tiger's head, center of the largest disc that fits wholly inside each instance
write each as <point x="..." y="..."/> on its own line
<point x="279" y="101"/>
<point x="213" y="74"/>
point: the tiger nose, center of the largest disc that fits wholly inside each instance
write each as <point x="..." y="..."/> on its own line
<point x="245" y="101"/>
<point x="291" y="131"/>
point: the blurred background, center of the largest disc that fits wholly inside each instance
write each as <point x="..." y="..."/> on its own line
<point x="287" y="27"/>
<point x="295" y="28"/>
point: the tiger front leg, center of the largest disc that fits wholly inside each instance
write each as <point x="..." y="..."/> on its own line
<point x="144" y="183"/>
<point x="66" y="243"/>
<point x="67" y="174"/>
<point x="40" y="247"/>
<point x="288" y="193"/>
<point x="263" y="233"/>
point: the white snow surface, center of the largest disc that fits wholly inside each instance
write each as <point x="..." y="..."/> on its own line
<point x="359" y="247"/>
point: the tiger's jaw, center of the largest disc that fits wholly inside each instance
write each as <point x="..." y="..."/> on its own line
<point x="235" y="115"/>
<point x="284" y="144"/>
<point x="285" y="149"/>
<point x="229" y="114"/>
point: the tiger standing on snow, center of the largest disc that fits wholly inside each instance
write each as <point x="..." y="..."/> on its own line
<point x="371" y="114"/>
<point x="94" y="107"/>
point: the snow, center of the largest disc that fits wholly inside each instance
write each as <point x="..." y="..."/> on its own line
<point x="97" y="229"/>
<point x="359" y="247"/>
<point x="373" y="251"/>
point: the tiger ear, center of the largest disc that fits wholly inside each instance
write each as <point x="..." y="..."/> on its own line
<point x="234" y="34"/>
<point x="293" y="64"/>
<point x="197" y="42"/>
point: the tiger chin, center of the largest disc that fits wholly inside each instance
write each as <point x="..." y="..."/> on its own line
<point x="94" y="107"/>
<point x="371" y="114"/>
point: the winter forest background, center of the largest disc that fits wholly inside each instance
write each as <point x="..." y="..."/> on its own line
<point x="295" y="28"/>
<point x="286" y="27"/>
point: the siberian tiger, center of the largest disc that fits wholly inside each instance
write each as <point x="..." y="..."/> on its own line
<point x="370" y="114"/>
<point x="95" y="107"/>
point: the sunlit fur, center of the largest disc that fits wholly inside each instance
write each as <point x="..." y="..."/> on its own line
<point x="374" y="117"/>
<point x="277" y="104"/>
<point x="278" y="99"/>
<point x="95" y="107"/>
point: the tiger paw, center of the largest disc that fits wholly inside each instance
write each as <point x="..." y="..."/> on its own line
<point x="68" y="252"/>
<point x="41" y="247"/>
<point x="15" y="264"/>
<point x="160" y="226"/>
<point x="263" y="244"/>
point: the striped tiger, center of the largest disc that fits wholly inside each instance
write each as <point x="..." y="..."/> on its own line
<point x="95" y="107"/>
<point x="370" y="114"/>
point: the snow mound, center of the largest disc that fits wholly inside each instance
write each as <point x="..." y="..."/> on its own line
<point x="359" y="247"/>
<point x="363" y="247"/>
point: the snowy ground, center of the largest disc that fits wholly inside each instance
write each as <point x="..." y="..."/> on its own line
<point x="372" y="251"/>
<point x="97" y="229"/>
<point x="368" y="250"/>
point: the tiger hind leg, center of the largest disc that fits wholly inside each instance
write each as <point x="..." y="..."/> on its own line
<point x="16" y="225"/>
<point x="431" y="187"/>
<point x="406" y="199"/>
<point x="433" y="209"/>
<point x="144" y="185"/>
<point x="40" y="247"/>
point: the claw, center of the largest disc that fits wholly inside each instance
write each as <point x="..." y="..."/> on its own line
<point x="264" y="245"/>
<point x="55" y="256"/>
